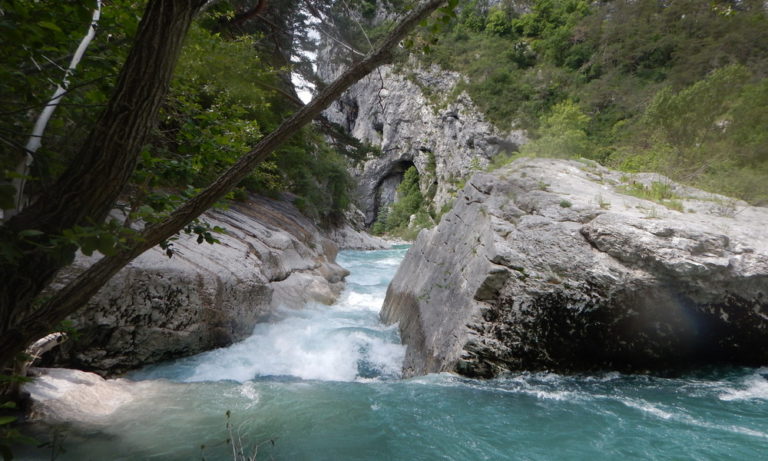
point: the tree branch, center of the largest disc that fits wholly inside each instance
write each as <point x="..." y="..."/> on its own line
<point x="77" y="293"/>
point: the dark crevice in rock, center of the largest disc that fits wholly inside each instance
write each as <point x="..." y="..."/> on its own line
<point x="386" y="186"/>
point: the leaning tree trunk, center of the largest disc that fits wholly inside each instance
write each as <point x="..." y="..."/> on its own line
<point x="87" y="190"/>
<point x="32" y="324"/>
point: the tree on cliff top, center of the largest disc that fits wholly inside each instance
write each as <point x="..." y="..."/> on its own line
<point x="34" y="248"/>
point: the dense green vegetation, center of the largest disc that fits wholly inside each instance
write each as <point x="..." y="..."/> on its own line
<point x="677" y="87"/>
<point x="38" y="40"/>
<point x="395" y="219"/>
<point x="224" y="97"/>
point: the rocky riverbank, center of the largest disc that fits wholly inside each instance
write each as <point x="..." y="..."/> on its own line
<point x="208" y="296"/>
<point x="568" y="266"/>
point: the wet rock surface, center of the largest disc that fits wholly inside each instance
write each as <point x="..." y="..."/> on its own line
<point x="61" y="395"/>
<point x="563" y="265"/>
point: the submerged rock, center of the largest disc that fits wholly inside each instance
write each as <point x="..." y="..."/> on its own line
<point x="564" y="266"/>
<point x="205" y="296"/>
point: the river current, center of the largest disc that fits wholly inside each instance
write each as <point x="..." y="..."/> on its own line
<point x="323" y="384"/>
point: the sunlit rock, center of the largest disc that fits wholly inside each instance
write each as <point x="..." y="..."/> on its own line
<point x="445" y="137"/>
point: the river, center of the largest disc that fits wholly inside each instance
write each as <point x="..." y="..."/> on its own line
<point x="323" y="384"/>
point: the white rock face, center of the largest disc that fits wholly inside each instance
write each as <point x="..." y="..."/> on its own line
<point x="349" y="238"/>
<point x="445" y="138"/>
<point x="205" y="296"/>
<point x="551" y="264"/>
<point x="61" y="395"/>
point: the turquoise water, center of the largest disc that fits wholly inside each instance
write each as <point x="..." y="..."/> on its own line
<point x="322" y="384"/>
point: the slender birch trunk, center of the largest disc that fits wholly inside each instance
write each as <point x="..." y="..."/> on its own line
<point x="20" y="322"/>
<point x="35" y="139"/>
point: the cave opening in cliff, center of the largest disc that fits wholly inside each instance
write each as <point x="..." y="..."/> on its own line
<point x="386" y="189"/>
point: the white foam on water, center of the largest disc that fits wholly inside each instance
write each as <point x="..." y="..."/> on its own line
<point x="753" y="387"/>
<point x="647" y="407"/>
<point x="682" y="417"/>
<point x="723" y="427"/>
<point x="389" y="262"/>
<point x="307" y="347"/>
<point x="248" y="390"/>
<point x="354" y="301"/>
<point x="562" y="396"/>
<point x="344" y="342"/>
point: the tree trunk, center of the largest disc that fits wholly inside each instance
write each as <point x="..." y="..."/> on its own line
<point x="87" y="190"/>
<point x="35" y="140"/>
<point x="30" y="324"/>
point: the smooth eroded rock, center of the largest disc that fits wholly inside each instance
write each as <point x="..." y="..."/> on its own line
<point x="205" y="296"/>
<point x="551" y="264"/>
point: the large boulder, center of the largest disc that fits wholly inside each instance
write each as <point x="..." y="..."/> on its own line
<point x="205" y="296"/>
<point x="568" y="266"/>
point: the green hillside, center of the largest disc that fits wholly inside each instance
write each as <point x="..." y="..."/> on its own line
<point x="678" y="87"/>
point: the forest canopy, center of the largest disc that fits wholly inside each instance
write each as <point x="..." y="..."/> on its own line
<point x="226" y="94"/>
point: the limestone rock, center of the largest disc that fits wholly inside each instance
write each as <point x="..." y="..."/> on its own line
<point x="349" y="238"/>
<point x="61" y="395"/>
<point x="445" y="137"/>
<point x="205" y="296"/>
<point x="550" y="264"/>
<point x="352" y="235"/>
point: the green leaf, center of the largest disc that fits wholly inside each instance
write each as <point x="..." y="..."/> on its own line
<point x="27" y="233"/>
<point x="146" y="210"/>
<point x="7" y="420"/>
<point x="106" y="244"/>
<point x="89" y="245"/>
<point x="49" y="25"/>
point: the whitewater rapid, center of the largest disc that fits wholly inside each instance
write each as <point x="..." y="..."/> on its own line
<point x="323" y="383"/>
<point x="343" y="342"/>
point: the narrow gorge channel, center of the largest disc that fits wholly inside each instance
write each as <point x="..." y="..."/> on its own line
<point x="323" y="384"/>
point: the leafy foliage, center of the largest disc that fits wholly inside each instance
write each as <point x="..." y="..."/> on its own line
<point x="396" y="218"/>
<point x="223" y="99"/>
<point x="677" y="87"/>
<point x="38" y="40"/>
<point x="9" y="434"/>
<point x="562" y="133"/>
